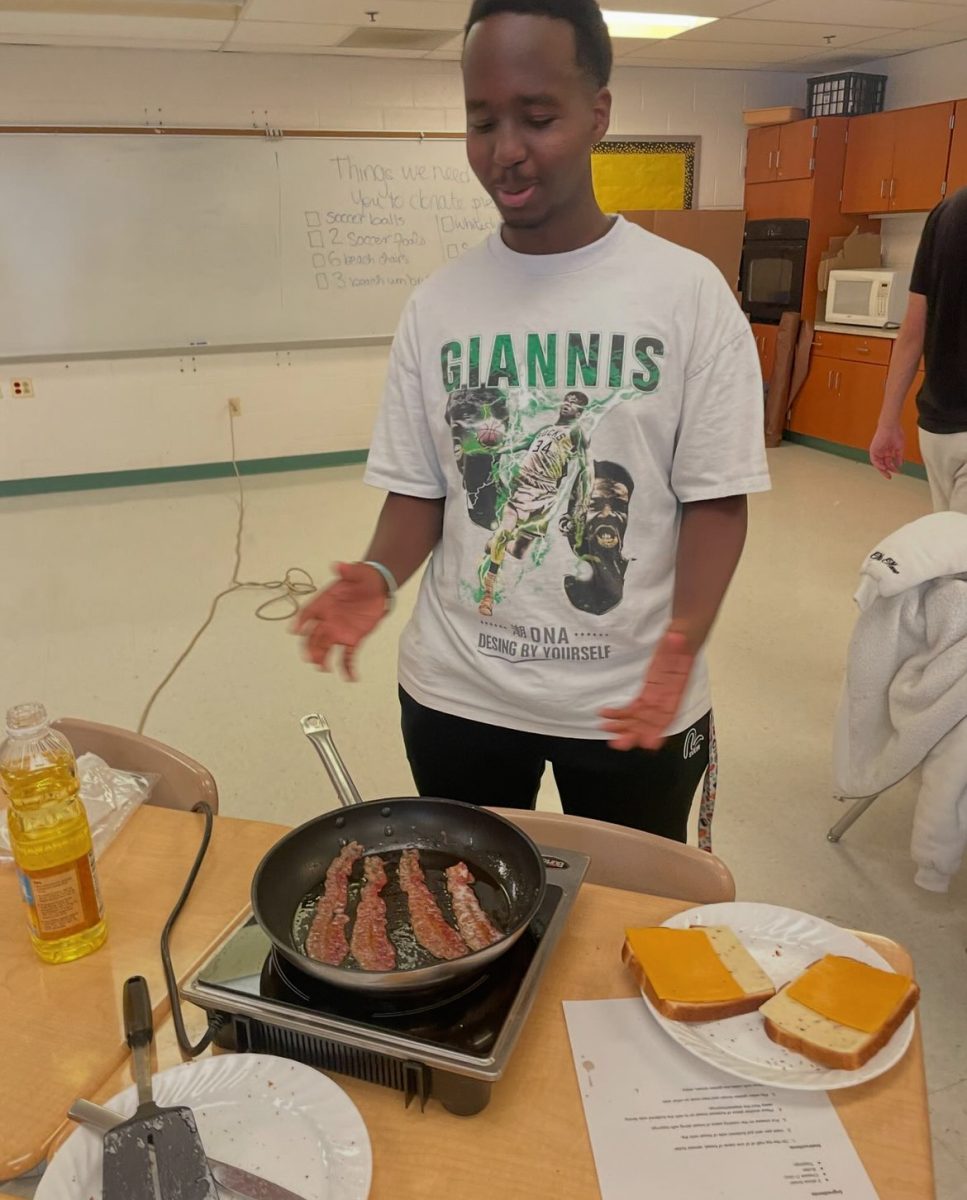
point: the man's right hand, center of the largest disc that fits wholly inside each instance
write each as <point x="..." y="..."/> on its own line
<point x="342" y="614"/>
<point x="886" y="450"/>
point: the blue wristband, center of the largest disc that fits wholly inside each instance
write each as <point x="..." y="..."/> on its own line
<point x="388" y="579"/>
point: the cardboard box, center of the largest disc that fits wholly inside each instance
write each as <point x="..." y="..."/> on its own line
<point x="717" y="233"/>
<point x="773" y="116"/>
<point x="856" y="250"/>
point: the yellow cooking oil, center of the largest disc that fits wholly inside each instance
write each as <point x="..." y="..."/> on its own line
<point x="50" y="838"/>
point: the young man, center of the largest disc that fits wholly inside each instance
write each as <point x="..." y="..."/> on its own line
<point x="572" y="366"/>
<point x="935" y="327"/>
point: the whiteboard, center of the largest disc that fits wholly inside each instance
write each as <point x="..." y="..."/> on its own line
<point x="117" y="243"/>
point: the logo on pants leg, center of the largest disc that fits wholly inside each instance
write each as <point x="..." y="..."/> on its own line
<point x="693" y="743"/>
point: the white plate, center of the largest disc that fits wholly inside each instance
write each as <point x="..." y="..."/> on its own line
<point x="783" y="942"/>
<point x="281" y="1119"/>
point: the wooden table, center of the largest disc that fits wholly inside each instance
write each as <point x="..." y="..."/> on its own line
<point x="532" y="1139"/>
<point x="61" y="1027"/>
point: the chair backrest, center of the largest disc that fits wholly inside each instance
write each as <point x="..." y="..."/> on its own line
<point x="629" y="859"/>
<point x="183" y="781"/>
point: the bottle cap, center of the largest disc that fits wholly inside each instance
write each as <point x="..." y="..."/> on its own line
<point x="25" y="719"/>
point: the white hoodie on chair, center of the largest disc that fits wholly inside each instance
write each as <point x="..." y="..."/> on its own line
<point x="904" y="701"/>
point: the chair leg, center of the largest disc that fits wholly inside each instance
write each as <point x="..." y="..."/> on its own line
<point x="854" y="814"/>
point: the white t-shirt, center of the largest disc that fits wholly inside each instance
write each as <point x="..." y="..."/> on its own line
<point x="566" y="406"/>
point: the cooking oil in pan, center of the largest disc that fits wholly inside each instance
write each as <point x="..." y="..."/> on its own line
<point x="409" y="953"/>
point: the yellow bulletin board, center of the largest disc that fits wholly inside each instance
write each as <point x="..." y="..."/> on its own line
<point x="636" y="175"/>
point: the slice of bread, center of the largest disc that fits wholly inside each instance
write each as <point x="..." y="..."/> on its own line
<point x="691" y="978"/>
<point x="823" y="1038"/>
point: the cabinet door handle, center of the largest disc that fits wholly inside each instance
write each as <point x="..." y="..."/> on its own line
<point x="882" y="189"/>
<point x="839" y="380"/>
<point x="862" y="349"/>
<point x="829" y="381"/>
<point x="778" y="156"/>
<point x="892" y="188"/>
<point x="770" y="159"/>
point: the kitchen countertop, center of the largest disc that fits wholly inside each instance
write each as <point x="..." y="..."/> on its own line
<point x="532" y="1139"/>
<point x="873" y="331"/>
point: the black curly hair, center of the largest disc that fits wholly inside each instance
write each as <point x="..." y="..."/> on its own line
<point x="591" y="38"/>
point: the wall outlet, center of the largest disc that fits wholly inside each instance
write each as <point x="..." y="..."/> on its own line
<point x="235" y="406"/>
<point x="21" y="387"/>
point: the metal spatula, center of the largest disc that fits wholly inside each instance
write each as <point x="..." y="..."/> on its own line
<point x="157" y="1154"/>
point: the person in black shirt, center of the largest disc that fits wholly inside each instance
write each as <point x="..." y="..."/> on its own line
<point x="935" y="326"/>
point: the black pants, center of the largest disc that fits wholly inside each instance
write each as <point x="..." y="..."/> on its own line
<point x="487" y="764"/>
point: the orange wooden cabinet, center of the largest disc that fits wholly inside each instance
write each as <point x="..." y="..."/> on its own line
<point x="766" y="337"/>
<point x="840" y="401"/>
<point x="795" y="158"/>
<point x="852" y="347"/>
<point x="779" y="152"/>
<point x="957" y="166"/>
<point x="897" y="161"/>
<point x="869" y="161"/>
<point x="762" y="146"/>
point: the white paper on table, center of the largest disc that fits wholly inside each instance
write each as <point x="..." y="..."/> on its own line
<point x="662" y="1122"/>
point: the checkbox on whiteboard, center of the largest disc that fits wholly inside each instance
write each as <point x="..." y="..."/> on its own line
<point x="315" y="237"/>
<point x="318" y="260"/>
<point x="452" y="251"/>
<point x="312" y="218"/>
<point x="322" y="281"/>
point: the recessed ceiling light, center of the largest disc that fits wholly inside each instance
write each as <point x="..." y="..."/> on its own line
<point x="650" y="25"/>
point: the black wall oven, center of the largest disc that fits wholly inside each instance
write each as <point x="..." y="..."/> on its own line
<point x="773" y="266"/>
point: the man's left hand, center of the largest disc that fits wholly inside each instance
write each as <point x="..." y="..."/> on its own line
<point x="643" y="722"/>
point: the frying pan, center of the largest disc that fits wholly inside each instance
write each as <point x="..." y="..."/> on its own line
<point x="506" y="863"/>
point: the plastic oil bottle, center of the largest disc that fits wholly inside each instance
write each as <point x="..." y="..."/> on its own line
<point x="50" y="837"/>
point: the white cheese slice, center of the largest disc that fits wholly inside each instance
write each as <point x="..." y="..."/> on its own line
<point x="797" y="1019"/>
<point x="745" y="970"/>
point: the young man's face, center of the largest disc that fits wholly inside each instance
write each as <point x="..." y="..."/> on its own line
<point x="532" y="117"/>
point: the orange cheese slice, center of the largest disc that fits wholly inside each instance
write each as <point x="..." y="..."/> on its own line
<point x="681" y="964"/>
<point x="850" y="992"/>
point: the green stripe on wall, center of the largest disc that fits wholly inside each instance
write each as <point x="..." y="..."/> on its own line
<point x="814" y="443"/>
<point x="212" y="470"/>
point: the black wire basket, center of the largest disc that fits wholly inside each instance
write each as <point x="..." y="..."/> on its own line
<point x="849" y="94"/>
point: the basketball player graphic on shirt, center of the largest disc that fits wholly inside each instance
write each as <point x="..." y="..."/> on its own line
<point x="540" y="483"/>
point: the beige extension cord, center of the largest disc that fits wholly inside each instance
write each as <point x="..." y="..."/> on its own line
<point x="296" y="582"/>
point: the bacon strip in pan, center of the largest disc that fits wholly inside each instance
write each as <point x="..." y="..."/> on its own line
<point x="431" y="928"/>
<point x="326" y="940"/>
<point x="371" y="948"/>
<point x="476" y="928"/>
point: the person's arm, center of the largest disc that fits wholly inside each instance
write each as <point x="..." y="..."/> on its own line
<point x="348" y="610"/>
<point x="710" y="542"/>
<point x="407" y="530"/>
<point x="886" y="449"/>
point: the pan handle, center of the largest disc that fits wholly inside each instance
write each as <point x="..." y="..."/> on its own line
<point x="316" y="728"/>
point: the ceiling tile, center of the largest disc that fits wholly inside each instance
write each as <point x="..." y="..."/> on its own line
<point x="694" y="8"/>
<point x="951" y="25"/>
<point x="625" y="46"/>
<point x="395" y="14"/>
<point x="781" y="33"/>
<point x="106" y="41"/>
<point x="675" y="49"/>
<point x="903" y="40"/>
<point x="48" y="24"/>
<point x="827" y="64"/>
<point x="890" y="14"/>
<point x="272" y="34"/>
<point x="713" y="65"/>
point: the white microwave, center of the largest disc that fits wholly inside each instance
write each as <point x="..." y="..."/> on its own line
<point x="867" y="297"/>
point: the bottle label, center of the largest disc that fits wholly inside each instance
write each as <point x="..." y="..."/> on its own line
<point x="62" y="900"/>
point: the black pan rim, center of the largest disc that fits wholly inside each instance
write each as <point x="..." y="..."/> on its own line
<point x="356" y="977"/>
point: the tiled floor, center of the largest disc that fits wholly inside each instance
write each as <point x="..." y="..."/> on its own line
<point x="102" y="590"/>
